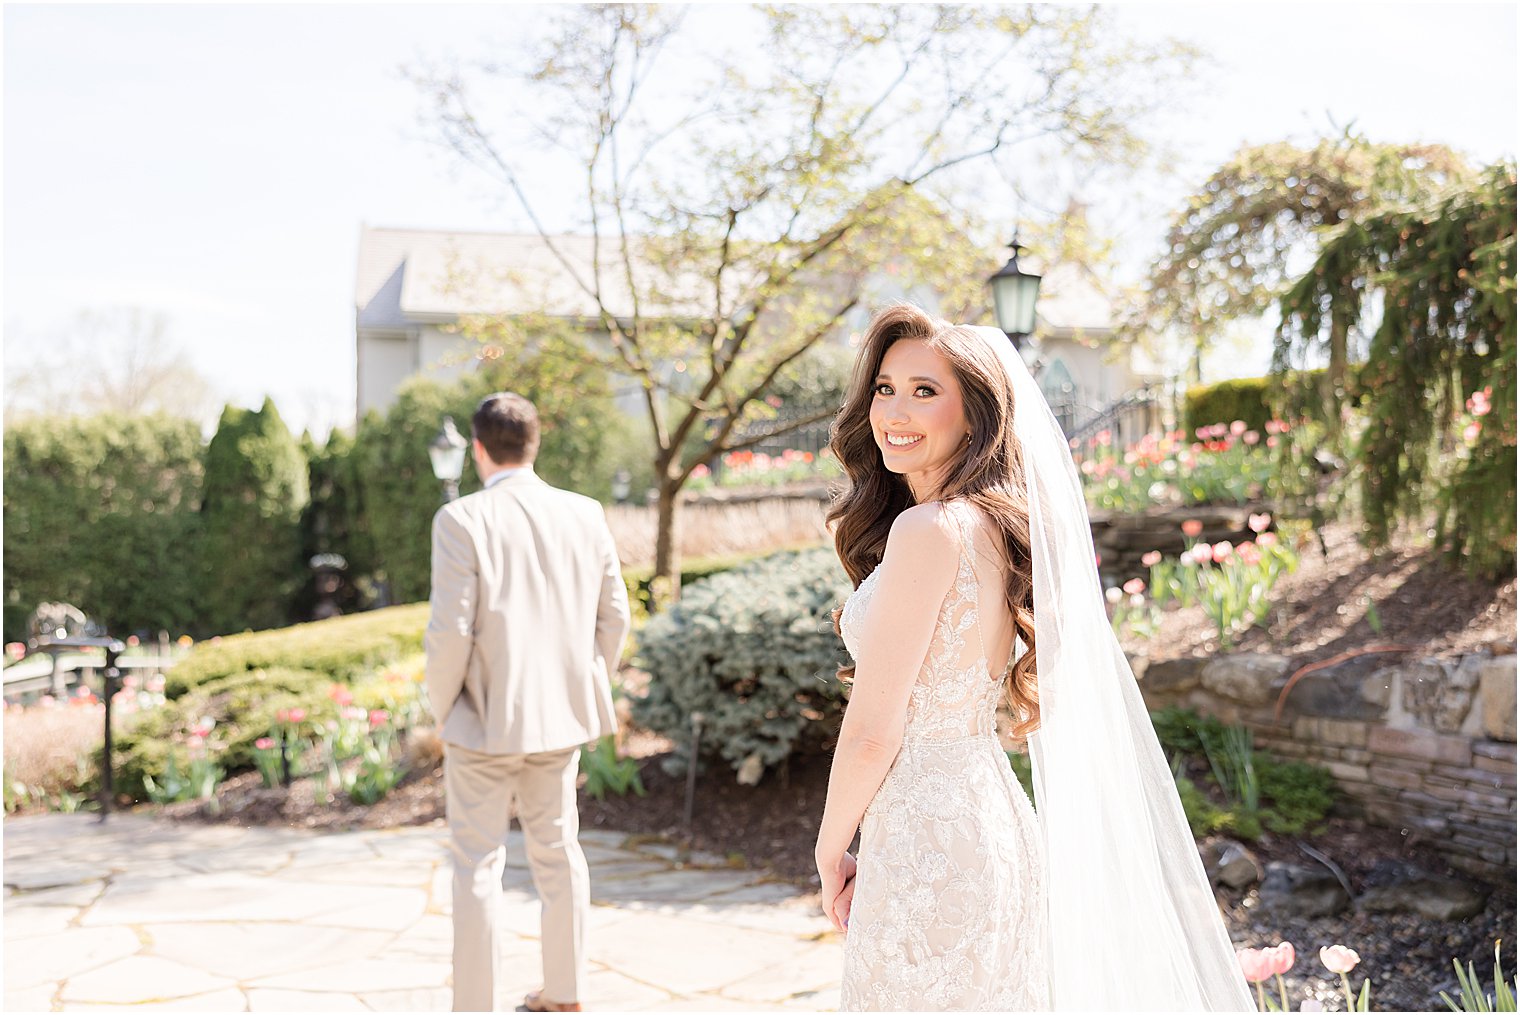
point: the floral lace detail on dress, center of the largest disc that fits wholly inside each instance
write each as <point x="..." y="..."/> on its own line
<point x="949" y="895"/>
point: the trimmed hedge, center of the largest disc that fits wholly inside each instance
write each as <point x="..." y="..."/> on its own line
<point x="341" y="648"/>
<point x="101" y="512"/>
<point x="1252" y="399"/>
<point x="754" y="651"/>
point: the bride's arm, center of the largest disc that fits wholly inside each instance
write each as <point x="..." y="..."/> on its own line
<point x="916" y="571"/>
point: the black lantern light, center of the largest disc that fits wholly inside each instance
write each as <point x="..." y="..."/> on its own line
<point x="1014" y="292"/>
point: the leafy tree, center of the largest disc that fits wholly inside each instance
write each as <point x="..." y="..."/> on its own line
<point x="1238" y="243"/>
<point x="100" y="513"/>
<point x="747" y="207"/>
<point x="255" y="490"/>
<point x="1438" y="276"/>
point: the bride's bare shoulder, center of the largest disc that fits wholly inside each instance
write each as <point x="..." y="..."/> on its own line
<point x="923" y="532"/>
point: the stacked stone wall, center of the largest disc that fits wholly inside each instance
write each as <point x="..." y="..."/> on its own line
<point x="1426" y="746"/>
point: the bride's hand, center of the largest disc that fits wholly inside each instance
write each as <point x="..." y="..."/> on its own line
<point x="842" y="902"/>
<point x="834" y="877"/>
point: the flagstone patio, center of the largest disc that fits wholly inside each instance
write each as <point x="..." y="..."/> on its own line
<point x="151" y="915"/>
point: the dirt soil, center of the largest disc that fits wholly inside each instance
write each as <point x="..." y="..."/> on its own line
<point x="1321" y="609"/>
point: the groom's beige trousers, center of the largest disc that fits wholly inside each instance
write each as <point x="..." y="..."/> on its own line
<point x="481" y="789"/>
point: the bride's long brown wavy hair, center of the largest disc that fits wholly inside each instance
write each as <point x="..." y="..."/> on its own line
<point x="989" y="472"/>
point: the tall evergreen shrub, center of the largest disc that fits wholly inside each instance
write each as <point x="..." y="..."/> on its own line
<point x="255" y="491"/>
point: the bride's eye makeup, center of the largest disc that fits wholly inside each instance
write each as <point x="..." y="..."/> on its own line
<point x="922" y="389"/>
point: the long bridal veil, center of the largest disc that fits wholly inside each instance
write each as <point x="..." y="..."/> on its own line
<point x="1133" y="925"/>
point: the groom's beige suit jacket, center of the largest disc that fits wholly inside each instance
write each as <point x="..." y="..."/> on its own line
<point x="529" y="616"/>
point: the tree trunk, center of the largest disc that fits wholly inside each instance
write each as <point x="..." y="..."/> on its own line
<point x="1335" y="374"/>
<point x="666" y="587"/>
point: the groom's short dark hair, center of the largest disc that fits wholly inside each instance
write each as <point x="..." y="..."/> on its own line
<point x="506" y="425"/>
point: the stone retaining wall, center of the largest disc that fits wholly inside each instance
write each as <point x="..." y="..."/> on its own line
<point x="1426" y="746"/>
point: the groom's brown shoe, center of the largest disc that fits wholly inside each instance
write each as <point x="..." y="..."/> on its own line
<point x="536" y="1002"/>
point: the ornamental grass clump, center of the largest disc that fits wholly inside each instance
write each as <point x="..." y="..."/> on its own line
<point x="753" y="652"/>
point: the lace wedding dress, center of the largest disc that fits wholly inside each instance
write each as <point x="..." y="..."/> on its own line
<point x="949" y="900"/>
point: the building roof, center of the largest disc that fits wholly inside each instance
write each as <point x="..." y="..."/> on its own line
<point x="410" y="276"/>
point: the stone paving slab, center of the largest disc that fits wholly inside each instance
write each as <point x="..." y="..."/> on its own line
<point x="141" y="914"/>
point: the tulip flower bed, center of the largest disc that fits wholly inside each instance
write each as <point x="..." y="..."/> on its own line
<point x="1231" y="582"/>
<point x="757" y="469"/>
<point x="1262" y="964"/>
<point x="1223" y="464"/>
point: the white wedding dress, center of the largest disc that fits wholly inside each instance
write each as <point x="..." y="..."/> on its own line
<point x="949" y="907"/>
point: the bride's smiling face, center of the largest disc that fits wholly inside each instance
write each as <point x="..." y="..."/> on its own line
<point x="917" y="414"/>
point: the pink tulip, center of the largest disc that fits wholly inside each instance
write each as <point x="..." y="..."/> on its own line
<point x="1251" y="437"/>
<point x="1470" y="432"/>
<point x="1339" y="958"/>
<point x="264" y="743"/>
<point x="1255" y="963"/>
<point x="1238" y="427"/>
<point x="1259" y="523"/>
<point x="1249" y="554"/>
<point x="1267" y="539"/>
<point x="1223" y="550"/>
<point x="1192" y="528"/>
<point x="297" y="715"/>
<point x="1281" y="957"/>
<point x="1151" y="559"/>
<point x="1134" y="586"/>
<point x="379" y="717"/>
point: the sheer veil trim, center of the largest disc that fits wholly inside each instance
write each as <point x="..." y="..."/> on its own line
<point x="1133" y="924"/>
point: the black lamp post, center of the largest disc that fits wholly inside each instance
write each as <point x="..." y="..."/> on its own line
<point x="447" y="453"/>
<point x="1014" y="292"/>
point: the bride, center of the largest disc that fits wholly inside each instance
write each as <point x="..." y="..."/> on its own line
<point x="965" y="533"/>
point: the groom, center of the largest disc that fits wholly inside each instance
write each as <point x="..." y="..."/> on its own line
<point x="529" y="615"/>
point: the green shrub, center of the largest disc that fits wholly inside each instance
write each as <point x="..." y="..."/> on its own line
<point x="341" y="648"/>
<point x="254" y="494"/>
<point x="1254" y="400"/>
<point x="1186" y="731"/>
<point x="1294" y="796"/>
<point x="102" y="512"/>
<point x="639" y="580"/>
<point x="754" y="651"/>
<point x="1298" y="796"/>
<point x="243" y="705"/>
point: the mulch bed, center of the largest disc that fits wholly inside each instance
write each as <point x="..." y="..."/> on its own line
<point x="1320" y="611"/>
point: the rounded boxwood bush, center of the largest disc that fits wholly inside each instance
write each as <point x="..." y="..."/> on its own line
<point x="753" y="651"/>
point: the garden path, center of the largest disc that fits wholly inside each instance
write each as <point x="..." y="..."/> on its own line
<point x="145" y="914"/>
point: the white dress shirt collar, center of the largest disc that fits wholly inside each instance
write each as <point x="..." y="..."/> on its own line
<point x="497" y="477"/>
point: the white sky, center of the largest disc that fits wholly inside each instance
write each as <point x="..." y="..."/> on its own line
<point x="214" y="163"/>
